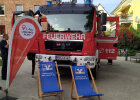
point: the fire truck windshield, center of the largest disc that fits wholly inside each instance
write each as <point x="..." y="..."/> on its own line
<point x="70" y="22"/>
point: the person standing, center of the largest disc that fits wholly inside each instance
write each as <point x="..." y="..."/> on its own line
<point x="4" y="53"/>
<point x="31" y="56"/>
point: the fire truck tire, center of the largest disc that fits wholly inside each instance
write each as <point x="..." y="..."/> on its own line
<point x="98" y="65"/>
<point x="94" y="72"/>
<point x="110" y="62"/>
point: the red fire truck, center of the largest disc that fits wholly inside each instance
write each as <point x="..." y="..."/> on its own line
<point x="74" y="34"/>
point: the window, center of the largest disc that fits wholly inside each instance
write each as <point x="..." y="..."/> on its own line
<point x="1" y="9"/>
<point x="70" y="22"/>
<point x="2" y="29"/>
<point x="19" y="8"/>
<point x="111" y="29"/>
<point x="36" y="8"/>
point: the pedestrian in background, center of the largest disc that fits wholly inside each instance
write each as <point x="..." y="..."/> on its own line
<point x="4" y="53"/>
<point x="33" y="66"/>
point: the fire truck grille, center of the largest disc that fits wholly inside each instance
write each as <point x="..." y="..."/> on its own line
<point x="76" y="45"/>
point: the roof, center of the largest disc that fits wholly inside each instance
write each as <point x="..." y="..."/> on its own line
<point x="119" y="5"/>
<point x="103" y="9"/>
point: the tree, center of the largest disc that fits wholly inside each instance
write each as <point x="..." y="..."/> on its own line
<point x="129" y="38"/>
<point x="126" y="37"/>
<point x="136" y="41"/>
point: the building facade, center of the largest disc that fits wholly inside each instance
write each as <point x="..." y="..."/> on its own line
<point x="8" y="6"/>
<point x="101" y="8"/>
<point x="128" y="11"/>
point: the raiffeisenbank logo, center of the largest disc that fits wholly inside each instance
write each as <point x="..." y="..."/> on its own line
<point x="80" y="71"/>
<point x="47" y="67"/>
<point x="27" y="30"/>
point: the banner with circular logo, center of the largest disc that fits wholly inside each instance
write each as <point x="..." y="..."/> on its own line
<point x="27" y="30"/>
<point x="24" y="32"/>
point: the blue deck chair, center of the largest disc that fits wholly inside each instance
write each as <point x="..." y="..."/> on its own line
<point x="81" y="83"/>
<point x="49" y="83"/>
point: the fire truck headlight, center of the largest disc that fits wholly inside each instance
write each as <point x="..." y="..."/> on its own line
<point x="88" y="59"/>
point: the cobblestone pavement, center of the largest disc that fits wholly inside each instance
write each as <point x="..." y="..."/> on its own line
<point x="120" y="81"/>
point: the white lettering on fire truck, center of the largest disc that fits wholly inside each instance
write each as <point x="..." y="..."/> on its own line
<point x="110" y="50"/>
<point x="102" y="50"/>
<point x="64" y="36"/>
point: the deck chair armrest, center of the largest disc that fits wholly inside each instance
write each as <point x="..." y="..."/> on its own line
<point x="73" y="84"/>
<point x="58" y="75"/>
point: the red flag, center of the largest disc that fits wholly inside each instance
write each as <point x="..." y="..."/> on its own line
<point x="24" y="32"/>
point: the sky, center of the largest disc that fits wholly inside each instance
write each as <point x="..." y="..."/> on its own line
<point x="109" y="5"/>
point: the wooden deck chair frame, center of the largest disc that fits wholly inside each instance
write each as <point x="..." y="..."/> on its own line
<point x="74" y="85"/>
<point x="40" y="93"/>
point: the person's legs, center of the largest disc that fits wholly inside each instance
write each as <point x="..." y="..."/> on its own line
<point x="4" y="69"/>
<point x="33" y="67"/>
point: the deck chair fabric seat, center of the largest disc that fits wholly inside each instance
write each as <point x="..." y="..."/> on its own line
<point x="82" y="82"/>
<point x="48" y="77"/>
<point x="49" y="83"/>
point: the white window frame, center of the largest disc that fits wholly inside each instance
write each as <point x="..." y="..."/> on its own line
<point x="34" y="8"/>
<point x="21" y="8"/>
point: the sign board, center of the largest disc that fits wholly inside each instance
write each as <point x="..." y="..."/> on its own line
<point x="24" y="32"/>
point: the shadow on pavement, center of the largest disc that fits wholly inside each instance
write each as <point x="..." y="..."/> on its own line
<point x="65" y="72"/>
<point x="8" y="98"/>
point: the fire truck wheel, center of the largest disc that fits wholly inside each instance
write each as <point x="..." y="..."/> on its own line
<point x="109" y="62"/>
<point x="98" y="66"/>
<point x="94" y="72"/>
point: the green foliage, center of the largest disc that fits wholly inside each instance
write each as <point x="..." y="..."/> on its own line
<point x="133" y="52"/>
<point x="131" y="42"/>
<point x="136" y="41"/>
<point x="131" y="12"/>
<point x="132" y="29"/>
<point x="108" y="33"/>
<point x="136" y="34"/>
<point x="125" y="38"/>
